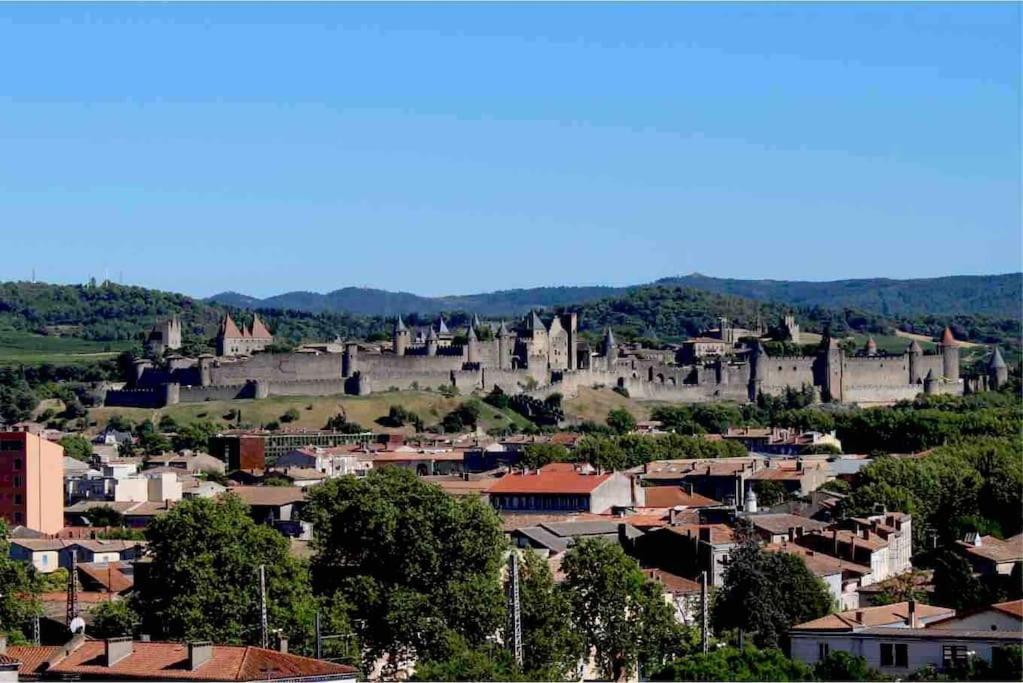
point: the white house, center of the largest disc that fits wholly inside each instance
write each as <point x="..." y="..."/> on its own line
<point x="900" y="638"/>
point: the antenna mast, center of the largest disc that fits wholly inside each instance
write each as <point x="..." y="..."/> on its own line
<point x="264" y="632"/>
<point x="516" y="608"/>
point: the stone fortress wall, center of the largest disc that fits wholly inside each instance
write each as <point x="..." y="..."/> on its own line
<point x="541" y="358"/>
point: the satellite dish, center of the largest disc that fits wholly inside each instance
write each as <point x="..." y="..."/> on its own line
<point x="77" y="625"/>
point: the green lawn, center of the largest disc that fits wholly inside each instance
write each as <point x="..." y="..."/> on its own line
<point x="17" y="347"/>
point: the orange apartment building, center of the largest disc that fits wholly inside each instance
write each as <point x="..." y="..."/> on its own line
<point x="31" y="482"/>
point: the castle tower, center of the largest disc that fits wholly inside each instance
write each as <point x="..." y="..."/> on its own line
<point x="758" y="365"/>
<point x="350" y="360"/>
<point x="727" y="333"/>
<point x="228" y="336"/>
<point x="610" y="349"/>
<point x="442" y="327"/>
<point x="400" y="337"/>
<point x="949" y="356"/>
<point x="570" y="321"/>
<point x="871" y="348"/>
<point x="997" y="370"/>
<point x="791" y="329"/>
<point x="834" y="367"/>
<point x="930" y="383"/>
<point x="915" y="354"/>
<point x="431" y="342"/>
<point x="472" y="345"/>
<point x="503" y="347"/>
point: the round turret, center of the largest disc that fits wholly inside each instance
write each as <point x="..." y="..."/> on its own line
<point x="400" y="337"/>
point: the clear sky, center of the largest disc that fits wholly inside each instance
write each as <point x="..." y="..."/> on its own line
<point x="458" y="148"/>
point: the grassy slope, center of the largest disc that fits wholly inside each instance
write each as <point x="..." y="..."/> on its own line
<point x="594" y="405"/>
<point x="17" y="347"/>
<point x="365" y="410"/>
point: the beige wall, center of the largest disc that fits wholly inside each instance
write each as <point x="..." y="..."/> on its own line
<point x="44" y="485"/>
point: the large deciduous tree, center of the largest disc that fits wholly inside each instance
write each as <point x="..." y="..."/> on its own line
<point x="621" y="615"/>
<point x="203" y="581"/>
<point x="416" y="566"/>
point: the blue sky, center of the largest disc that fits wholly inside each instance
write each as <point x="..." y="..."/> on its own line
<point x="457" y="148"/>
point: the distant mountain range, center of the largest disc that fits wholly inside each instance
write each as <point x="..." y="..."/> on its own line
<point x="989" y="295"/>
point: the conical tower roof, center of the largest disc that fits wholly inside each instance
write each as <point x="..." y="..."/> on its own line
<point x="442" y="327"/>
<point x="930" y="375"/>
<point x="609" y="338"/>
<point x="871" y="346"/>
<point x="502" y="331"/>
<point x="432" y="335"/>
<point x="534" y="322"/>
<point x="399" y="324"/>
<point x="258" y="329"/>
<point x="947" y="339"/>
<point x="996" y="362"/>
<point x="470" y="333"/>
<point x="228" y="328"/>
<point x="914" y="347"/>
<point x="475" y="321"/>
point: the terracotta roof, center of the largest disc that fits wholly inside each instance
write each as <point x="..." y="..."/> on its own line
<point x="818" y="563"/>
<point x="400" y="456"/>
<point x="882" y="615"/>
<point x="107" y="575"/>
<point x="512" y="521"/>
<point x="678" y="585"/>
<point x="32" y="658"/>
<point x="670" y="496"/>
<point x="947" y="339"/>
<point x="549" y="480"/>
<point x="1012" y="608"/>
<point x="168" y="661"/>
<point x="228" y="328"/>
<point x="781" y="522"/>
<point x="273" y="496"/>
<point x="997" y="550"/>
<point x="258" y="329"/>
<point x="83" y="596"/>
<point x="720" y="534"/>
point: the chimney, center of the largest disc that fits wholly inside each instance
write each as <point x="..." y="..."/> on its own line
<point x="199" y="652"/>
<point x="792" y="533"/>
<point x="865" y="533"/>
<point x="117" y="649"/>
<point x="834" y="537"/>
<point x="859" y="615"/>
<point x="911" y="621"/>
<point x="3" y="645"/>
<point x="623" y="536"/>
<point x="282" y="645"/>
<point x="799" y="465"/>
<point x="705" y="534"/>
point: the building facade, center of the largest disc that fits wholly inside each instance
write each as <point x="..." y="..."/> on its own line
<point x="31" y="482"/>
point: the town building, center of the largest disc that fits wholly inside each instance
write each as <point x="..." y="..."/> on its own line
<point x="122" y="659"/>
<point x="990" y="555"/>
<point x="564" y="487"/>
<point x="31" y="482"/>
<point x="901" y="638"/>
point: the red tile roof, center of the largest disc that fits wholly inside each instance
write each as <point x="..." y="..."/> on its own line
<point x="672" y="583"/>
<point x="32" y="658"/>
<point x="268" y="495"/>
<point x="1013" y="608"/>
<point x="947" y="339"/>
<point x="168" y="661"/>
<point x="554" y="481"/>
<point x="670" y="496"/>
<point x="882" y="615"/>
<point x="258" y="329"/>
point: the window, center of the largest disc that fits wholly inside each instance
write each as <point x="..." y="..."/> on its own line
<point x="18" y="518"/>
<point x="17" y="463"/>
<point x="901" y="654"/>
<point x="823" y="650"/>
<point x="17" y="499"/>
<point x="887" y="655"/>
<point x="953" y="656"/>
<point x="10" y="445"/>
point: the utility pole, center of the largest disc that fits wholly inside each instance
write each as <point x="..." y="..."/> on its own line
<point x="319" y="637"/>
<point x="72" y="591"/>
<point x="264" y="631"/>
<point x="516" y="611"/>
<point x="703" y="611"/>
